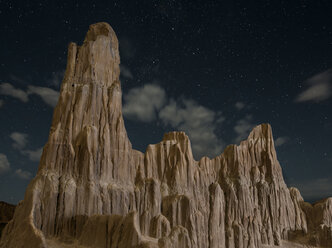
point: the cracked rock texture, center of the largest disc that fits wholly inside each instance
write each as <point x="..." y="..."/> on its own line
<point x="93" y="190"/>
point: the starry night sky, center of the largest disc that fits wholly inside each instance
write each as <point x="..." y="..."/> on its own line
<point x="214" y="69"/>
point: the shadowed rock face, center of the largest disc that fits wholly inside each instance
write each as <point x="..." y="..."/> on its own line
<point x="6" y="214"/>
<point x="93" y="190"/>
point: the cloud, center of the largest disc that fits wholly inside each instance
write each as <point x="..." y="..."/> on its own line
<point x="56" y="78"/>
<point x="9" y="90"/>
<point x="319" y="88"/>
<point x="281" y="141"/>
<point x="198" y="122"/>
<point x="314" y="189"/>
<point x="149" y="102"/>
<point x="16" y="79"/>
<point x="242" y="128"/>
<point x="239" y="105"/>
<point x="4" y="163"/>
<point x="23" y="174"/>
<point x="316" y="93"/>
<point x="20" y="140"/>
<point x="1" y="103"/>
<point x="125" y="72"/>
<point x="34" y="155"/>
<point x="48" y="95"/>
<point x="142" y="102"/>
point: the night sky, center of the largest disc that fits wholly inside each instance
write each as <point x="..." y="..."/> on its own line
<point x="214" y="69"/>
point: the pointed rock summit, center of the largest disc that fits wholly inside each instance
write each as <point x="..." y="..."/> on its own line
<point x="93" y="190"/>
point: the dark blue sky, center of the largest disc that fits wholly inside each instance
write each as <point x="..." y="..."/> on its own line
<point x="214" y="69"/>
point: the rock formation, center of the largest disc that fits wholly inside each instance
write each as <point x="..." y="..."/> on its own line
<point x="93" y="190"/>
<point x="6" y="214"/>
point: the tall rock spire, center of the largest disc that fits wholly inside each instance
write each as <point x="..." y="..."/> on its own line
<point x="87" y="123"/>
<point x="87" y="148"/>
<point x="93" y="190"/>
<point x="97" y="60"/>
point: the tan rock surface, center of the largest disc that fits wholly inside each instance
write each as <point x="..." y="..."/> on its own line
<point x="93" y="190"/>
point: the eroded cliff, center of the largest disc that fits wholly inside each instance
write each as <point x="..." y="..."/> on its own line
<point x="93" y="190"/>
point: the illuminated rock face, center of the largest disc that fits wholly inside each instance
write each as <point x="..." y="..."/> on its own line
<point x="93" y="190"/>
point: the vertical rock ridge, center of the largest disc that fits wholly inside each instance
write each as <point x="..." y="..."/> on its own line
<point x="93" y="190"/>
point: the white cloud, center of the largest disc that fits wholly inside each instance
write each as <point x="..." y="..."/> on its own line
<point x="125" y="72"/>
<point x="142" y="102"/>
<point x="314" y="189"/>
<point x="239" y="105"/>
<point x="1" y="103"/>
<point x="319" y="88"/>
<point x="20" y="140"/>
<point x="281" y="141"/>
<point x="198" y="122"/>
<point x="34" y="155"/>
<point x="316" y="93"/>
<point x="4" y="163"/>
<point x="56" y="78"/>
<point x="23" y="174"/>
<point x="9" y="90"/>
<point x="242" y="128"/>
<point x="169" y="114"/>
<point x="48" y="95"/>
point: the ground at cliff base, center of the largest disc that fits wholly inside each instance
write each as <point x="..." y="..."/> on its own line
<point x="54" y="243"/>
<point x="287" y="244"/>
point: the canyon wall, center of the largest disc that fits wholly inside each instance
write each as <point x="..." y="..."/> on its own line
<point x="92" y="189"/>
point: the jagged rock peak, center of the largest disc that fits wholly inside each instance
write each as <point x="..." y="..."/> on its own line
<point x="178" y="136"/>
<point x="93" y="190"/>
<point x="96" y="61"/>
<point x="261" y="131"/>
<point x="261" y="136"/>
<point x="97" y="29"/>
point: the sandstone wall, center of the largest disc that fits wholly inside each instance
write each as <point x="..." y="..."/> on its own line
<point x="93" y="190"/>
